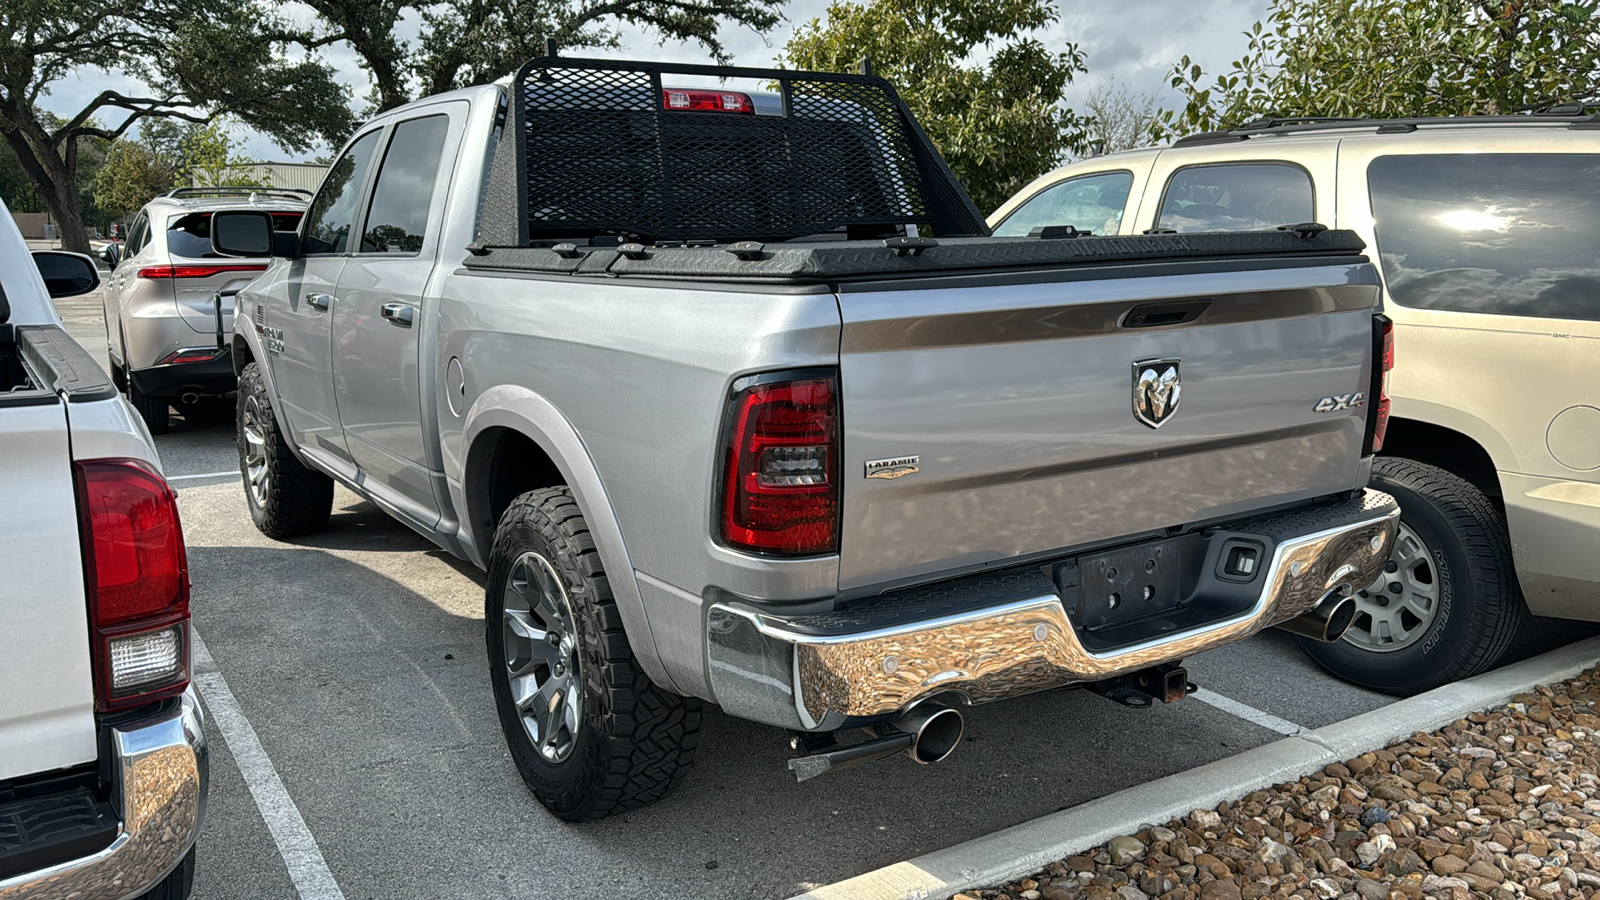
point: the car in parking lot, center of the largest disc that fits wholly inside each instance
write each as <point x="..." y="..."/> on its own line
<point x="103" y="756"/>
<point x="1485" y="230"/>
<point x="164" y="318"/>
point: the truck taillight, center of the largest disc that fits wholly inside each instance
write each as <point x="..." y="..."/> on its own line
<point x="706" y="101"/>
<point x="1383" y="361"/>
<point x="781" y="488"/>
<point x="137" y="575"/>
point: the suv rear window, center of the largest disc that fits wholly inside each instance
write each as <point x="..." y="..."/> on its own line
<point x="189" y="236"/>
<point x="1509" y="234"/>
<point x="1237" y="197"/>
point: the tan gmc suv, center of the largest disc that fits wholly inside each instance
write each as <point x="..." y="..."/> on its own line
<point x="1488" y="233"/>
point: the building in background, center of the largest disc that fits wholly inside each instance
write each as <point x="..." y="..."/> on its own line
<point x="298" y="175"/>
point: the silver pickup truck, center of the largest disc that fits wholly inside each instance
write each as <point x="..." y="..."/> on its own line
<point x="683" y="369"/>
<point x="103" y="760"/>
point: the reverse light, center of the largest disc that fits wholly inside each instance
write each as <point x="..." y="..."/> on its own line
<point x="707" y="101"/>
<point x="781" y="489"/>
<point x="137" y="576"/>
<point x="195" y="271"/>
<point x="1383" y="362"/>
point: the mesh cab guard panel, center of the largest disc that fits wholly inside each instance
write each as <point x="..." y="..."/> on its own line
<point x="589" y="149"/>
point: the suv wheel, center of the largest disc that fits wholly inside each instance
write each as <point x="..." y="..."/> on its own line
<point x="1447" y="605"/>
<point x="589" y="732"/>
<point x="155" y="411"/>
<point x="285" y="498"/>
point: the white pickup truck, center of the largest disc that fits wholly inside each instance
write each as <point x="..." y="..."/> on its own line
<point x="103" y="765"/>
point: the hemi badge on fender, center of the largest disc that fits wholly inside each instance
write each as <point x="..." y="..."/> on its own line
<point x="893" y="467"/>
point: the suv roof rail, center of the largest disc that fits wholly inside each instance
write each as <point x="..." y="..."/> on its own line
<point x="1575" y="114"/>
<point x="238" y="191"/>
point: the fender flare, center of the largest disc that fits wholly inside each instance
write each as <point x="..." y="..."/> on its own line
<point x="531" y="415"/>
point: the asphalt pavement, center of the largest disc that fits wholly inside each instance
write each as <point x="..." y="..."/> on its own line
<point x="356" y="658"/>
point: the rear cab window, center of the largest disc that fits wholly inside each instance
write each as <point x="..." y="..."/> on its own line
<point x="1508" y="234"/>
<point x="1088" y="203"/>
<point x="1246" y="196"/>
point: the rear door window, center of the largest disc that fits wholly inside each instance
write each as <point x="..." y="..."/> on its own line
<point x="333" y="212"/>
<point x="1087" y="203"/>
<point x="1508" y="234"/>
<point x="1237" y="197"/>
<point x="398" y="218"/>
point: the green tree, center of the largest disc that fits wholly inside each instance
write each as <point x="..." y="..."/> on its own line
<point x="988" y="94"/>
<point x="209" y="157"/>
<point x="466" y="42"/>
<point x="194" y="60"/>
<point x="1385" y="58"/>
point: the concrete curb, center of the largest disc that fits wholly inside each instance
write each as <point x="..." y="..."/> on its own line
<point x="1021" y="849"/>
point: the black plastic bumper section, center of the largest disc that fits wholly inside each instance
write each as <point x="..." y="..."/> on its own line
<point x="43" y="830"/>
<point x="214" y="376"/>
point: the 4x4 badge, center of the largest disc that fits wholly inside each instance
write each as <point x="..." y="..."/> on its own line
<point x="1157" y="389"/>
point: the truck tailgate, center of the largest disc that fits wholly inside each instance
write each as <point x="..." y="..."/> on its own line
<point x="44" y="644"/>
<point x="1015" y="393"/>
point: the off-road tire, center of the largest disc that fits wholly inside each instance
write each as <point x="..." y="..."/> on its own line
<point x="1480" y="602"/>
<point x="178" y="884"/>
<point x="297" y="500"/>
<point x="155" y="411"/>
<point x="635" y="742"/>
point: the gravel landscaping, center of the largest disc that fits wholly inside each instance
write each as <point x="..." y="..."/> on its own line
<point x="1503" y="804"/>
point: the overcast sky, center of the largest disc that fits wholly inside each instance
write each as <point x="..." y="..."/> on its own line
<point x="1133" y="42"/>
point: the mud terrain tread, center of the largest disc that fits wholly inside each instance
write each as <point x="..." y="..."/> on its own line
<point x="300" y="500"/>
<point x="647" y="737"/>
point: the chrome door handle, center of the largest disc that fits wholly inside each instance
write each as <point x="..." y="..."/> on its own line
<point x="398" y="314"/>
<point x="320" y="301"/>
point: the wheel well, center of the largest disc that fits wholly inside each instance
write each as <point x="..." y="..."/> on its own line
<point x="1449" y="450"/>
<point x="502" y="465"/>
<point x="241" y="354"/>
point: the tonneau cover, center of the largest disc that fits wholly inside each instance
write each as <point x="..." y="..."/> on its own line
<point x="829" y="260"/>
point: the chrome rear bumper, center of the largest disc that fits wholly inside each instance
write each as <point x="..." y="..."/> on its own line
<point x="991" y="637"/>
<point x="161" y="769"/>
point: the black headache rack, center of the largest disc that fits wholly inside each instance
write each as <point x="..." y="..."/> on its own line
<point x="589" y="152"/>
<point x="832" y="261"/>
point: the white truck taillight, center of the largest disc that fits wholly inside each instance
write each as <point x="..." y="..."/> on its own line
<point x="1378" y="416"/>
<point x="137" y="574"/>
<point x="781" y="474"/>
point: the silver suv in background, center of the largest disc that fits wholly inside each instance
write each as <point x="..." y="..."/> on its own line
<point x="1485" y="229"/>
<point x="164" y="321"/>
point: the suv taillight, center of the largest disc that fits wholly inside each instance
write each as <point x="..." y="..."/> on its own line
<point x="781" y="488"/>
<point x="195" y="271"/>
<point x="1383" y="361"/>
<point x="137" y="575"/>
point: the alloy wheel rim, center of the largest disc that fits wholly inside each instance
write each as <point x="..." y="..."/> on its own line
<point x="1398" y="608"/>
<point x="258" y="477"/>
<point x="541" y="656"/>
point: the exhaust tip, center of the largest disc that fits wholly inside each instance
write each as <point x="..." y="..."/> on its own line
<point x="1328" y="620"/>
<point x="1340" y="618"/>
<point x="937" y="735"/>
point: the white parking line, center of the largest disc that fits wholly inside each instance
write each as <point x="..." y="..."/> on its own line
<point x="1248" y="713"/>
<point x="307" y="869"/>
<point x="231" y="472"/>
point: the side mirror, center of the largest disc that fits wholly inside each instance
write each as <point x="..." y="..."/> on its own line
<point x="66" y="274"/>
<point x="241" y="233"/>
<point x="112" y="254"/>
